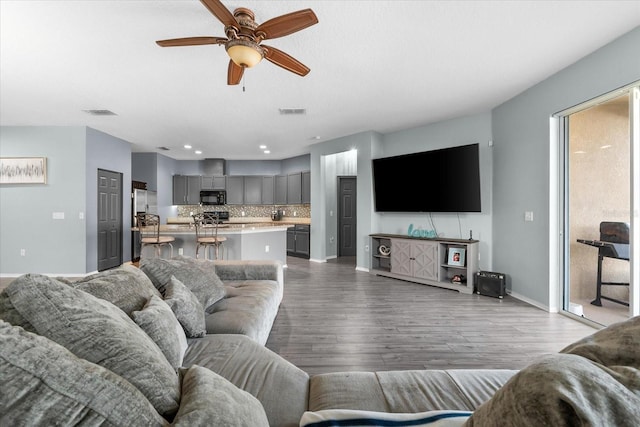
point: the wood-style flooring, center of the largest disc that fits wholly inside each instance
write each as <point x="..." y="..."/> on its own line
<point x="334" y="318"/>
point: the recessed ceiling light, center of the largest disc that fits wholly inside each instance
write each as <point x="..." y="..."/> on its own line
<point x="267" y="152"/>
<point x="604" y="147"/>
<point x="198" y="152"/>
<point x="100" y="112"/>
<point x="187" y="146"/>
<point x="292" y="111"/>
<point x="316" y="137"/>
<point x="262" y="147"/>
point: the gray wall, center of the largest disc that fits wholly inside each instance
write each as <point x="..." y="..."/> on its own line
<point x="254" y="167"/>
<point x="144" y="167"/>
<point x="296" y="164"/>
<point x="26" y="210"/>
<point x="106" y="152"/>
<point x="522" y="163"/>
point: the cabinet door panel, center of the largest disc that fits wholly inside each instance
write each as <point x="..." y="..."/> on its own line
<point x="235" y="190"/>
<point x="268" y="190"/>
<point x="193" y="190"/>
<point x="306" y="187"/>
<point x="401" y="262"/>
<point x="291" y="241"/>
<point x="179" y="190"/>
<point x="252" y="190"/>
<point x="425" y="264"/>
<point x="281" y="190"/>
<point x="302" y="243"/>
<point x="294" y="188"/>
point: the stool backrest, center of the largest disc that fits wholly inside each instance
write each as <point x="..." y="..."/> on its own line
<point x="206" y="225"/>
<point x="149" y="226"/>
<point x="614" y="232"/>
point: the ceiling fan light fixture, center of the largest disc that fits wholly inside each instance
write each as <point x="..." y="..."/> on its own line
<point x="244" y="53"/>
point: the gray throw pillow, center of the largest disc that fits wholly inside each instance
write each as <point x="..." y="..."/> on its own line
<point x="126" y="287"/>
<point x="186" y="307"/>
<point x="45" y="384"/>
<point x="198" y="276"/>
<point x="159" y="322"/>
<point x="99" y="332"/>
<point x="206" y="396"/>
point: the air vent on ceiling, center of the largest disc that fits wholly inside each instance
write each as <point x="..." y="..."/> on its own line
<point x="100" y="112"/>
<point x="292" y="111"/>
<point x="163" y="148"/>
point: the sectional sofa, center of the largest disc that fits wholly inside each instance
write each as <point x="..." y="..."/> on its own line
<point x="181" y="342"/>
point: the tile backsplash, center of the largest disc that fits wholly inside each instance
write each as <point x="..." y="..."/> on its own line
<point x="252" y="211"/>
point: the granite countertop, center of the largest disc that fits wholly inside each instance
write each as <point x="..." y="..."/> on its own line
<point x="245" y="220"/>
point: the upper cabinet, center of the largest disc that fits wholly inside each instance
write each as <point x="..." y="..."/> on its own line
<point x="294" y="188"/>
<point x="289" y="189"/>
<point x="268" y="190"/>
<point x="281" y="190"/>
<point x="214" y="182"/>
<point x="306" y="187"/>
<point x="235" y="190"/>
<point x="186" y="189"/>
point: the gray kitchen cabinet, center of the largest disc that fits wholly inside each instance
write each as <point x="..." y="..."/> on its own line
<point x="235" y="190"/>
<point x="306" y="187"/>
<point x="252" y="190"/>
<point x="294" y="188"/>
<point x="186" y="189"/>
<point x="299" y="241"/>
<point x="281" y="190"/>
<point x="268" y="190"/>
<point x="214" y="182"/>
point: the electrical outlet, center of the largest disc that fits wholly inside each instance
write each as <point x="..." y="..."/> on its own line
<point x="180" y="251"/>
<point x="295" y="213"/>
<point x="366" y="248"/>
<point x="528" y="216"/>
<point x="57" y="215"/>
<point x="23" y="252"/>
<point x="266" y="248"/>
<point x="81" y="215"/>
<point x="242" y="213"/>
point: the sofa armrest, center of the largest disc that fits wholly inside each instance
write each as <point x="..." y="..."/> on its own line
<point x="249" y="270"/>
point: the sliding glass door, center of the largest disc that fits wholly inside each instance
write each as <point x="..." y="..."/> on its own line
<point x="598" y="196"/>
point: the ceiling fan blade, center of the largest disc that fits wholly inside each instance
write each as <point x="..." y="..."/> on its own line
<point x="285" y="61"/>
<point x="220" y="12"/>
<point x="234" y="75"/>
<point x="287" y="24"/>
<point x="191" y="41"/>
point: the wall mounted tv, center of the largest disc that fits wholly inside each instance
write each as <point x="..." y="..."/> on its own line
<point x="445" y="180"/>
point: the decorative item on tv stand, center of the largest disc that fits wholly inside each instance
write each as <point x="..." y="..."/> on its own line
<point x="384" y="250"/>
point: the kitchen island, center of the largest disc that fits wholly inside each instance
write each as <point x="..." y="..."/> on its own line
<point x="253" y="241"/>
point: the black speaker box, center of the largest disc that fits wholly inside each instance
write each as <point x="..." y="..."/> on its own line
<point x="491" y="284"/>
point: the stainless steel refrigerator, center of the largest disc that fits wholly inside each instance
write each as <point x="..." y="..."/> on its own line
<point x="142" y="201"/>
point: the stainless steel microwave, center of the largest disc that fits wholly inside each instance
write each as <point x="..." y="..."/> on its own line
<point x="213" y="197"/>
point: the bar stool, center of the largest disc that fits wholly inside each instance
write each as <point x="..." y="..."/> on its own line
<point x="149" y="226"/>
<point x="207" y="233"/>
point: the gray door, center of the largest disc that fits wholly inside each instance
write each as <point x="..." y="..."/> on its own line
<point x="347" y="219"/>
<point x="109" y="219"/>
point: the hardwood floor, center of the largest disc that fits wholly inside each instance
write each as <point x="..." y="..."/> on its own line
<point x="334" y="318"/>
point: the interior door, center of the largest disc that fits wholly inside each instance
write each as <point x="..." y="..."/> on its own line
<point x="109" y="219"/>
<point x="347" y="216"/>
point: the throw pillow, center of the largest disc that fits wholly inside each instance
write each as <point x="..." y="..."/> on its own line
<point x="45" y="384"/>
<point x="207" y="396"/>
<point x="126" y="287"/>
<point x="8" y="312"/>
<point x="197" y="275"/>
<point x="346" y="417"/>
<point x="186" y="307"/>
<point x="99" y="332"/>
<point x="159" y="322"/>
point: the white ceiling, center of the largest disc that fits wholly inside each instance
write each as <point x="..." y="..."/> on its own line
<point x="375" y="65"/>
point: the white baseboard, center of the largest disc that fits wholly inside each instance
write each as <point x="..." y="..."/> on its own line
<point x="533" y="303"/>
<point x="365" y="269"/>
<point x="317" y="260"/>
<point x="332" y="257"/>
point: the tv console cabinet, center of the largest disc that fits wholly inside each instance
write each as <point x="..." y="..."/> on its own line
<point x="425" y="260"/>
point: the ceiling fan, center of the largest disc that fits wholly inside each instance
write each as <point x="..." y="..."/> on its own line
<point x="244" y="37"/>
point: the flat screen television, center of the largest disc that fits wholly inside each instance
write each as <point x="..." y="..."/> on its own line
<point x="445" y="180"/>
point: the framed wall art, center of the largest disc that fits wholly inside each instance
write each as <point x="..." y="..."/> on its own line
<point x="456" y="256"/>
<point x="23" y="170"/>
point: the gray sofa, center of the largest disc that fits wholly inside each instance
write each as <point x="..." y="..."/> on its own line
<point x="112" y="349"/>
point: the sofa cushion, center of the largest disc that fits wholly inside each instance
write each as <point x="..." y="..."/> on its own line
<point x="126" y="287"/>
<point x="9" y="314"/>
<point x="158" y="321"/>
<point x="100" y="332"/>
<point x="209" y="399"/>
<point x="45" y="384"/>
<point x="281" y="388"/>
<point x="249" y="308"/>
<point x="406" y="391"/>
<point x="186" y="307"/>
<point x="198" y="276"/>
<point x="345" y="417"/>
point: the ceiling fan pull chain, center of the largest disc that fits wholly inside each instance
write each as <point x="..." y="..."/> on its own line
<point x="243" y="89"/>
